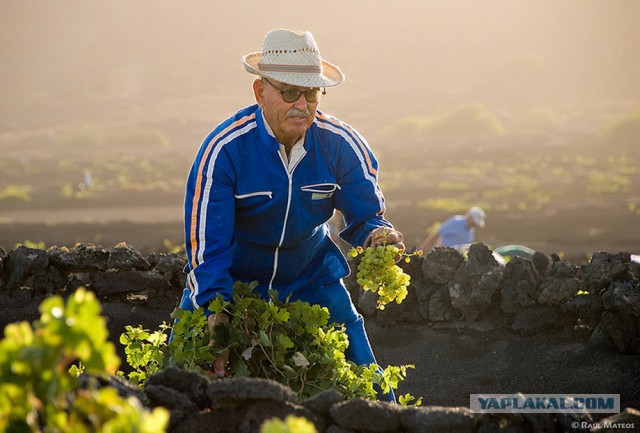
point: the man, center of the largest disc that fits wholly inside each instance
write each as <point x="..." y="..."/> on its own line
<point x="457" y="231"/>
<point x="265" y="182"/>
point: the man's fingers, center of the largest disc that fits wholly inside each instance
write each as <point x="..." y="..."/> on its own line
<point x="400" y="245"/>
<point x="386" y="236"/>
<point x="219" y="363"/>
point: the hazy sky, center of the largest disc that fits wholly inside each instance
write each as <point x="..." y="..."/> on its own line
<point x="86" y="58"/>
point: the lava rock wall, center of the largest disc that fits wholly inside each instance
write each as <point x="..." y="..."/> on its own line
<point x="527" y="296"/>
<point x="447" y="290"/>
<point x="241" y="405"/>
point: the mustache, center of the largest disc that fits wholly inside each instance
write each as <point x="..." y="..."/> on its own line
<point x="294" y="112"/>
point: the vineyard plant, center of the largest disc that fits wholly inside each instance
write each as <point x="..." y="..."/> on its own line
<point x="290" y="342"/>
<point x="40" y="365"/>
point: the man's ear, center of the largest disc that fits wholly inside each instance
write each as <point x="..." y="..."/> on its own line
<point x="258" y="89"/>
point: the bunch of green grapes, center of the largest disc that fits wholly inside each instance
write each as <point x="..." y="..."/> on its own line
<point x="378" y="272"/>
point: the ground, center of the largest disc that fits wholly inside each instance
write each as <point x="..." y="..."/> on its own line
<point x="452" y="364"/>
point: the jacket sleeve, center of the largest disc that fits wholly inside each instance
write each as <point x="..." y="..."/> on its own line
<point x="359" y="197"/>
<point x="209" y="226"/>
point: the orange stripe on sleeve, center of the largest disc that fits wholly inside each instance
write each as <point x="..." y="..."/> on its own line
<point x="198" y="191"/>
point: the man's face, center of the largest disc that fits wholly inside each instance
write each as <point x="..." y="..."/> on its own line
<point x="288" y="120"/>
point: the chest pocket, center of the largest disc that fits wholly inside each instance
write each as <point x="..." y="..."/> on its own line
<point x="254" y="194"/>
<point x="320" y="191"/>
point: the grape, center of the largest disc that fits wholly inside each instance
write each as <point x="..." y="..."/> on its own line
<point x="378" y="273"/>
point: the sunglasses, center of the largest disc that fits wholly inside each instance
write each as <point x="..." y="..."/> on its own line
<point x="291" y="94"/>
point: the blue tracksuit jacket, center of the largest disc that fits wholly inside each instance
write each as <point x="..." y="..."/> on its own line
<point x="248" y="219"/>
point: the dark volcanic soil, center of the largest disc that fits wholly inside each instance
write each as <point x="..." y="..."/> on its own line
<point x="452" y="364"/>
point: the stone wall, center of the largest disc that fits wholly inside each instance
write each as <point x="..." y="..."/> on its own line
<point x="526" y="296"/>
<point x="241" y="405"/>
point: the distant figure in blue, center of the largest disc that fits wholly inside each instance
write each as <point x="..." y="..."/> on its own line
<point x="457" y="231"/>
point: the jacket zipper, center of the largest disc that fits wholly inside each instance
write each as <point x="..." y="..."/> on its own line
<point x="286" y="217"/>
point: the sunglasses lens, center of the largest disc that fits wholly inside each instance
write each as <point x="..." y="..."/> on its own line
<point x="291" y="95"/>
<point x="312" y="95"/>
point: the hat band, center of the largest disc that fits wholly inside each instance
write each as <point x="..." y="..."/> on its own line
<point x="271" y="67"/>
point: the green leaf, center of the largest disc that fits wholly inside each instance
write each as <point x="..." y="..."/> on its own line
<point x="221" y="335"/>
<point x="264" y="339"/>
<point x="240" y="369"/>
<point x="284" y="342"/>
<point x="407" y="399"/>
<point x="282" y="315"/>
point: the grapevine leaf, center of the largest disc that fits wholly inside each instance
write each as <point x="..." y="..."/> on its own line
<point x="221" y="335"/>
<point x="177" y="313"/>
<point x="264" y="339"/>
<point x="240" y="369"/>
<point x="285" y="342"/>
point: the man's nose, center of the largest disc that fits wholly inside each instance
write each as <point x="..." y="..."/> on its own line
<point x="301" y="103"/>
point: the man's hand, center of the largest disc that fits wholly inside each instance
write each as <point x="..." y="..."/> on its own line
<point x="385" y="236"/>
<point x="221" y="360"/>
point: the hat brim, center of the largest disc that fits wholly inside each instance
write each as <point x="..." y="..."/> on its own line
<point x="330" y="76"/>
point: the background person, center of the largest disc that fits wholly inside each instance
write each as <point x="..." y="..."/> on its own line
<point x="266" y="181"/>
<point x="457" y="231"/>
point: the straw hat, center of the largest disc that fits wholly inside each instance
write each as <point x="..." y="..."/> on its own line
<point x="292" y="58"/>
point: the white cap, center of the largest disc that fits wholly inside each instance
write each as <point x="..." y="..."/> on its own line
<point x="477" y="216"/>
